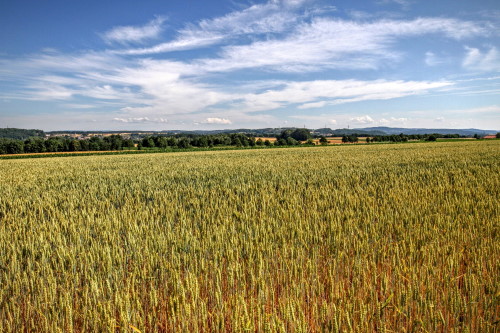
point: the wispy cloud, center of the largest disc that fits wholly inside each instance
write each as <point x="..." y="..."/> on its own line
<point x="140" y="120"/>
<point x="271" y="17"/>
<point x="488" y="61"/>
<point x="135" y="34"/>
<point x="184" y="43"/>
<point x="332" y="92"/>
<point x="362" y="120"/>
<point x="223" y="121"/>
<point x="393" y="121"/>
<point x="335" y="43"/>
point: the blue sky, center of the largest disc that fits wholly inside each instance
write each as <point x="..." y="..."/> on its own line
<point x="156" y="65"/>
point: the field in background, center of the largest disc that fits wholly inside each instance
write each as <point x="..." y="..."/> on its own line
<point x="357" y="238"/>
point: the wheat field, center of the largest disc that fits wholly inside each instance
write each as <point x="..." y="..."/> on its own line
<point x="369" y="238"/>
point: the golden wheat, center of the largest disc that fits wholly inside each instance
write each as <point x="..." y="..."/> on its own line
<point x="350" y="238"/>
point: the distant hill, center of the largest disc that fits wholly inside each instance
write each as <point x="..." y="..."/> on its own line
<point x="409" y="131"/>
<point x="20" y="134"/>
<point x="347" y="131"/>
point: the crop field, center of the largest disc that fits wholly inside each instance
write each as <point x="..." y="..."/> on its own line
<point x="354" y="238"/>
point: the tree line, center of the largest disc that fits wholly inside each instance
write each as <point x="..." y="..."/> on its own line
<point x="64" y="144"/>
<point x="288" y="137"/>
<point x="117" y="142"/>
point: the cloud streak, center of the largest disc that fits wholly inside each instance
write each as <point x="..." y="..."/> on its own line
<point x="133" y="34"/>
<point x="139" y="120"/>
<point x="223" y="121"/>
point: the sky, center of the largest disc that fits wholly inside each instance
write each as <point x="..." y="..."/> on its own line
<point x="217" y="64"/>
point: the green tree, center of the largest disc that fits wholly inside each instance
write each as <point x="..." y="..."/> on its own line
<point x="285" y="134"/>
<point x="259" y="142"/>
<point x="203" y="141"/>
<point x="53" y="145"/>
<point x="115" y="142"/>
<point x="280" y="142"/>
<point x="3" y="148"/>
<point x="323" y="140"/>
<point x="14" y="147"/>
<point x="34" y="145"/>
<point x="84" y="145"/>
<point x="148" y="142"/>
<point x="129" y="143"/>
<point x="431" y="138"/>
<point x="184" y="143"/>
<point x="160" y="142"/>
<point x="301" y="134"/>
<point x="236" y="142"/>
<point x="171" y="142"/>
<point x="74" y="145"/>
<point x="95" y="143"/>
<point x="292" y="142"/>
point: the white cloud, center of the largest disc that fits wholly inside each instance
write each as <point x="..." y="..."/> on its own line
<point x="392" y="121"/>
<point x="217" y="121"/>
<point x="140" y="120"/>
<point x="362" y="120"/>
<point x="186" y="43"/>
<point x="439" y="119"/>
<point x="127" y="34"/>
<point x="147" y="88"/>
<point x="477" y="60"/>
<point x="275" y="16"/>
<point x="322" y="39"/>
<point x="271" y="17"/>
<point x="398" y="120"/>
<point x="131" y="120"/>
<point x="336" y="43"/>
<point x="334" y="92"/>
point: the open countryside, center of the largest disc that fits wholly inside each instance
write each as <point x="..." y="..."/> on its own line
<point x="232" y="166"/>
<point x="341" y="238"/>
